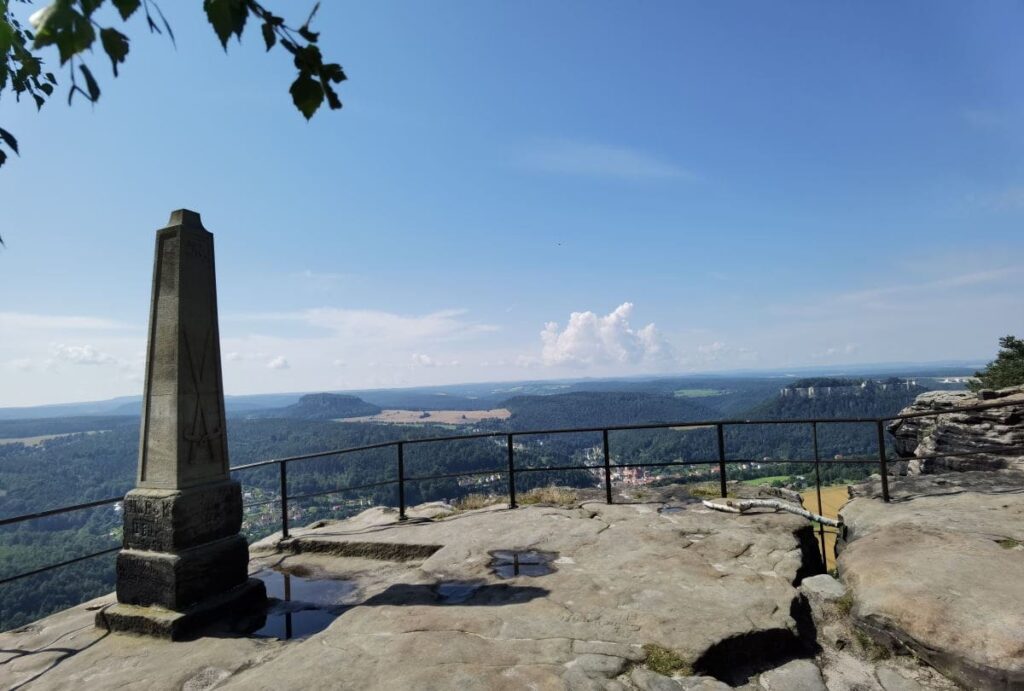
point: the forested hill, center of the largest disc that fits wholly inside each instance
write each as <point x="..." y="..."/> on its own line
<point x="324" y="406"/>
<point x="871" y="401"/>
<point x="597" y="409"/>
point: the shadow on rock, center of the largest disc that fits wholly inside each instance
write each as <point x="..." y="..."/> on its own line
<point x="491" y="595"/>
<point x="735" y="660"/>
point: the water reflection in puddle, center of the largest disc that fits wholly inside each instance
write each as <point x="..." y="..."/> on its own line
<point x="670" y="509"/>
<point x="454" y="592"/>
<point x="509" y="563"/>
<point x="305" y="605"/>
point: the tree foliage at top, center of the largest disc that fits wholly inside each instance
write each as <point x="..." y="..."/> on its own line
<point x="1006" y="370"/>
<point x="73" y="27"/>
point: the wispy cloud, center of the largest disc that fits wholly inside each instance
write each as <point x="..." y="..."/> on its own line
<point x="568" y="157"/>
<point x="375" y="326"/>
<point x="13" y="322"/>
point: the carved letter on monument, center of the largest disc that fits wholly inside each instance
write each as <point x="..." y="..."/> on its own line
<point x="183" y="563"/>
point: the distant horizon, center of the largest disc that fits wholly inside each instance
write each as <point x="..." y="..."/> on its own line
<point x="850" y="370"/>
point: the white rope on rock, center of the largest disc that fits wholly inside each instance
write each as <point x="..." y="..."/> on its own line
<point x="742" y="505"/>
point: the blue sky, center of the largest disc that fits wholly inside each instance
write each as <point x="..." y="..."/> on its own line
<point x="520" y="190"/>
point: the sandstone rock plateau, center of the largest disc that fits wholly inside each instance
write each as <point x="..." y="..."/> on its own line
<point x="434" y="607"/>
<point x="939" y="571"/>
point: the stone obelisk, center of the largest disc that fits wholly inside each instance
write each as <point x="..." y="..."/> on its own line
<point x="183" y="563"/>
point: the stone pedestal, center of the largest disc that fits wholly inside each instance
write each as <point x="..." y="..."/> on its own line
<point x="184" y="563"/>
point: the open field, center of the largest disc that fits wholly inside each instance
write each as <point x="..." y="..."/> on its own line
<point x="766" y="480"/>
<point x="36" y="441"/>
<point x="832" y="499"/>
<point x="697" y="393"/>
<point x="435" y="417"/>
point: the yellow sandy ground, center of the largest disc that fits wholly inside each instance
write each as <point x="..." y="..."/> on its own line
<point x="832" y="499"/>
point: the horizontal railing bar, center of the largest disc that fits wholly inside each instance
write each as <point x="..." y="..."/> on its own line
<point x="557" y="468"/>
<point x="620" y="428"/>
<point x="43" y="569"/>
<point x="467" y="473"/>
<point x="318" y="454"/>
<point x="62" y="509"/>
<point x="343" y="489"/>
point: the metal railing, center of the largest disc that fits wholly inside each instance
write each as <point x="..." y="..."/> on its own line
<point x="511" y="471"/>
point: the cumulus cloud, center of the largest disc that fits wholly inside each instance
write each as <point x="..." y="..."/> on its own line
<point x="589" y="339"/>
<point x="81" y="355"/>
<point x="233" y="356"/>
<point x="278" y="363"/>
<point x="421" y="360"/>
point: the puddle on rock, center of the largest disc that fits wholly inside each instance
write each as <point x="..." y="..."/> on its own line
<point x="510" y="563"/>
<point x="305" y="605"/>
<point x="454" y="592"/>
<point x="670" y="509"/>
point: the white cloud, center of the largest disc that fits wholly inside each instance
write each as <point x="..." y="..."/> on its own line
<point x="374" y="326"/>
<point x="81" y="355"/>
<point x="569" y="157"/>
<point x="589" y="339"/>
<point x="421" y="360"/>
<point x="234" y="356"/>
<point x="280" y="362"/>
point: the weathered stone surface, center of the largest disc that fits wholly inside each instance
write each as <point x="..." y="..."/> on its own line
<point x="181" y="522"/>
<point x="798" y="675"/>
<point x="178" y="580"/>
<point x="248" y="597"/>
<point x="169" y="520"/>
<point x="997" y="431"/>
<point x="935" y="574"/>
<point x="700" y="583"/>
<point x="182" y="441"/>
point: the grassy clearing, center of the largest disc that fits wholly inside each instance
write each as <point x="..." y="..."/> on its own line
<point x="705" y="490"/>
<point x="559" y="496"/>
<point x="664" y="661"/>
<point x="758" y="481"/>
<point x="697" y="393"/>
<point x="475" y="501"/>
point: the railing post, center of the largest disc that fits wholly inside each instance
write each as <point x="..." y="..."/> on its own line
<point x="607" y="468"/>
<point x="720" y="429"/>
<point x="883" y="464"/>
<point x="401" y="481"/>
<point x="817" y="485"/>
<point x="284" y="498"/>
<point x="511" y="474"/>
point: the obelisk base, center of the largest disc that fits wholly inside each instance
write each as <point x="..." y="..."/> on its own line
<point x="244" y="602"/>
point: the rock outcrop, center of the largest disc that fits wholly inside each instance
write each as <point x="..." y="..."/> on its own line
<point x="930" y="444"/>
<point x="937" y="572"/>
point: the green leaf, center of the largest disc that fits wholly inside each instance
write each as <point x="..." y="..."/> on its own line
<point x="126" y="7"/>
<point x="59" y="24"/>
<point x="9" y="140"/>
<point x="226" y="17"/>
<point x="116" y="46"/>
<point x="90" y="83"/>
<point x="90" y="6"/>
<point x="6" y="36"/>
<point x="269" y="37"/>
<point x="307" y="94"/>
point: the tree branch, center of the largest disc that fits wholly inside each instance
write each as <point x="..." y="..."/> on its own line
<point x="742" y="505"/>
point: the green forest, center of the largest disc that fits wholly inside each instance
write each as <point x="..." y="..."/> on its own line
<point x="95" y="458"/>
